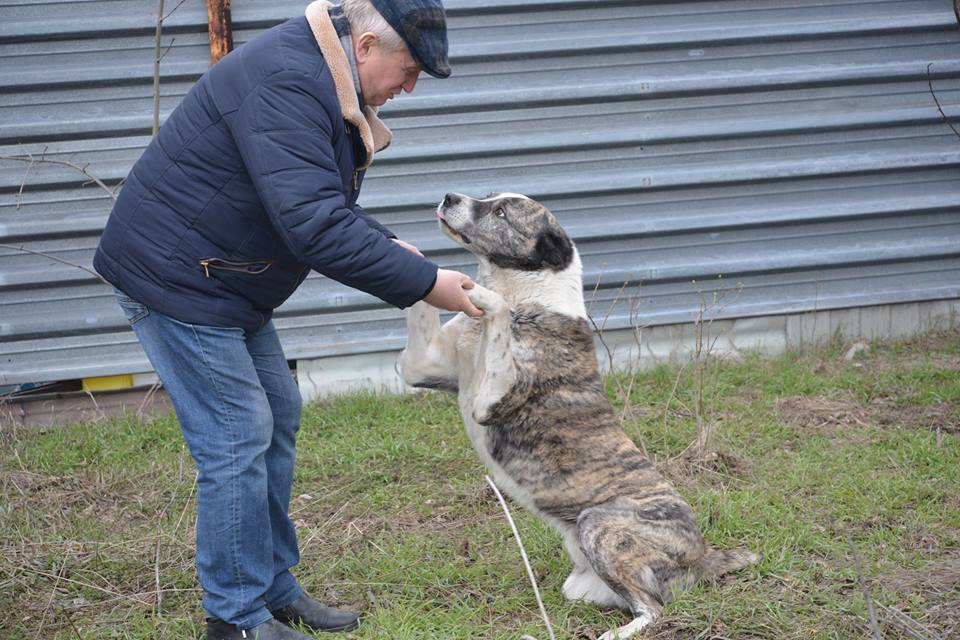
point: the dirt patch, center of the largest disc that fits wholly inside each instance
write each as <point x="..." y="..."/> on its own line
<point x="934" y="592"/>
<point x="119" y="505"/>
<point x="683" y="470"/>
<point x="820" y="414"/>
<point x="346" y="527"/>
<point x="940" y="576"/>
<point x="827" y="415"/>
<point x="939" y="349"/>
<point x="933" y="417"/>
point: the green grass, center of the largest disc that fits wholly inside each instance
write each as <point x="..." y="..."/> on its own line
<point x="810" y="453"/>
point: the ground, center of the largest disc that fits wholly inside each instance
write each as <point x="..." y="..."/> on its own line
<point x="844" y="474"/>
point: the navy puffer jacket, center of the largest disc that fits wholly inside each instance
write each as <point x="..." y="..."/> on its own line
<point x="251" y="182"/>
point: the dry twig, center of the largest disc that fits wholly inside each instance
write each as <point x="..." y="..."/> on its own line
<point x="156" y="68"/>
<point x="874" y="626"/>
<point x="939" y="108"/>
<point x="31" y="160"/>
<point x="56" y="259"/>
<point x="53" y="592"/>
<point x="907" y="624"/>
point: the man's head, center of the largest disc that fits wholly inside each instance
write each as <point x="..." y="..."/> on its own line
<point x="392" y="41"/>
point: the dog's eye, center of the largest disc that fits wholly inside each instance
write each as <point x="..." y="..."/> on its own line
<point x="500" y="213"/>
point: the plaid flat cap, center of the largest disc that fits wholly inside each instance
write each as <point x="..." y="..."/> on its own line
<point x="423" y="26"/>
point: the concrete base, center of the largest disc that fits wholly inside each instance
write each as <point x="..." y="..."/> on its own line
<point x="645" y="347"/>
<point x="59" y="409"/>
<point x="622" y="349"/>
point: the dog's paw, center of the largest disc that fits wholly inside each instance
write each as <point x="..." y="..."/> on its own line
<point x="630" y="629"/>
<point x="490" y="302"/>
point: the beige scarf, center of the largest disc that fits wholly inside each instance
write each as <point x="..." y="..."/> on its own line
<point x="374" y="133"/>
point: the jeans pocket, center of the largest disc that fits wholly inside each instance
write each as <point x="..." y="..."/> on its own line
<point x="134" y="311"/>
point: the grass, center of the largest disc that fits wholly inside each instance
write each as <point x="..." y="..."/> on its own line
<point x="810" y="453"/>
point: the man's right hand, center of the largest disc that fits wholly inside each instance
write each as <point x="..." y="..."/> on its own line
<point x="449" y="293"/>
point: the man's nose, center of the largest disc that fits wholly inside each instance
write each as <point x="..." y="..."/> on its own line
<point x="410" y="84"/>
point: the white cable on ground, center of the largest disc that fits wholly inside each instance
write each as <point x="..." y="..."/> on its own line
<point x="526" y="562"/>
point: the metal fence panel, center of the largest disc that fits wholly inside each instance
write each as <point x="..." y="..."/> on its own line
<point x="732" y="158"/>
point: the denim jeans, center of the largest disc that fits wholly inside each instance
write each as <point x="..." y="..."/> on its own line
<point x="239" y="409"/>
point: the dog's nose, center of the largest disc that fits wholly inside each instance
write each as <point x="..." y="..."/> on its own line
<point x="451" y="199"/>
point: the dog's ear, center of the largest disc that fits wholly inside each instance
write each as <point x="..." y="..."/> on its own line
<point x="555" y="249"/>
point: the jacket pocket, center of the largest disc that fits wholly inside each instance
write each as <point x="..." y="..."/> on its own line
<point x="249" y="267"/>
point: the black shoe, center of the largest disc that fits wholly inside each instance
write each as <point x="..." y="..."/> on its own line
<point x="269" y="630"/>
<point x="315" y="616"/>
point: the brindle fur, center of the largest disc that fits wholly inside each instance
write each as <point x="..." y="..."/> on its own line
<point x="535" y="409"/>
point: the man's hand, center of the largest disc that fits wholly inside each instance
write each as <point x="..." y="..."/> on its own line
<point x="449" y="293"/>
<point x="409" y="247"/>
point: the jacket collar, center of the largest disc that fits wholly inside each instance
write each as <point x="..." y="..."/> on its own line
<point x="373" y="132"/>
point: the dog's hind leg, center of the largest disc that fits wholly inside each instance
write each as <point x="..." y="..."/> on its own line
<point x="429" y="359"/>
<point x="583" y="583"/>
<point x="495" y="352"/>
<point x="631" y="628"/>
<point x="640" y="554"/>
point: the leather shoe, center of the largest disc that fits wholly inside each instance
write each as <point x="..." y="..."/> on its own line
<point x="315" y="616"/>
<point x="269" y="630"/>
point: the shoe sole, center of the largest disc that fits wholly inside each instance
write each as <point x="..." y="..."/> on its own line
<point x="346" y="627"/>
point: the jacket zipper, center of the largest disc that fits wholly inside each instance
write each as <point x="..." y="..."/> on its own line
<point x="355" y="183"/>
<point x="241" y="267"/>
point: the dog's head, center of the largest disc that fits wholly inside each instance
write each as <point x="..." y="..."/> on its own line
<point x="508" y="229"/>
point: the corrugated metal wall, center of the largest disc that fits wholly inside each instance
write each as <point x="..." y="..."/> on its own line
<point x="748" y="156"/>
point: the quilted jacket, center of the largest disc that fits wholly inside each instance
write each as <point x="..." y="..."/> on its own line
<point x="251" y="182"/>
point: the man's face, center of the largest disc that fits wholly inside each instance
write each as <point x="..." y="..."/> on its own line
<point x="383" y="74"/>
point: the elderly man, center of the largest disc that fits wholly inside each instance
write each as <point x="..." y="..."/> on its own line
<point x="250" y="183"/>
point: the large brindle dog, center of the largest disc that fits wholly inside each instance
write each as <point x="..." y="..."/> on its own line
<point x="535" y="409"/>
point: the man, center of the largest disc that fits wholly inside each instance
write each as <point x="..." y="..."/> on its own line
<point x="250" y="183"/>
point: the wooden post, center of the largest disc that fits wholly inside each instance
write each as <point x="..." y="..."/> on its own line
<point x="221" y="31"/>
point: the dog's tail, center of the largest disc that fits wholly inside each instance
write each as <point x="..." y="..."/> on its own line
<point x="712" y="564"/>
<point x="716" y="562"/>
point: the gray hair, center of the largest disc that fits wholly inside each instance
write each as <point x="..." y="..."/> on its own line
<point x="363" y="17"/>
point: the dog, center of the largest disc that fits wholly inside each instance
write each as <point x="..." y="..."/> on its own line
<point x="535" y="410"/>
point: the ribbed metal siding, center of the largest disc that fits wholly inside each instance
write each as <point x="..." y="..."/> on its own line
<point x="751" y="157"/>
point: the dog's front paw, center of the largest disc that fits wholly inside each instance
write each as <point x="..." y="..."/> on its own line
<point x="490" y="302"/>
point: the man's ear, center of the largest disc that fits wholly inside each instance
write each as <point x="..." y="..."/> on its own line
<point x="363" y="44"/>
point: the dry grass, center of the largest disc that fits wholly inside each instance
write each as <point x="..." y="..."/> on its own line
<point x="395" y="520"/>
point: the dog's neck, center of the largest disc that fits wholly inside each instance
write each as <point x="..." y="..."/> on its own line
<point x="558" y="291"/>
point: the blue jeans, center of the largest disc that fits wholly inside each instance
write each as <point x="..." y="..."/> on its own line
<point x="239" y="409"/>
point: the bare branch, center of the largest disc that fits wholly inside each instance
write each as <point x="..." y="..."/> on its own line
<point x="60" y="260"/>
<point x="874" y="627"/>
<point x="603" y="325"/>
<point x="116" y="595"/>
<point x="167" y="50"/>
<point x="64" y="163"/>
<point x="939" y="108"/>
<point x="172" y="11"/>
<point x="148" y="397"/>
<point x="156" y="70"/>
<point x="23" y="183"/>
<point x="73" y="625"/>
<point x="907" y="624"/>
<point x="523" y="554"/>
<point x="53" y="592"/>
